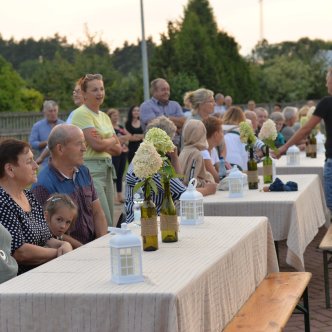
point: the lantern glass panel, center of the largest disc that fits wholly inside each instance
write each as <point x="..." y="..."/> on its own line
<point x="235" y="186"/>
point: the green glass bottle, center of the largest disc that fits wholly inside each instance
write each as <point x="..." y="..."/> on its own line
<point x="267" y="167"/>
<point x="313" y="146"/>
<point x="252" y="171"/>
<point x="149" y="226"/>
<point x="168" y="216"/>
<point x="307" y="147"/>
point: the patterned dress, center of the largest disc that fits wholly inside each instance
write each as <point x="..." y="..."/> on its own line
<point x="24" y="227"/>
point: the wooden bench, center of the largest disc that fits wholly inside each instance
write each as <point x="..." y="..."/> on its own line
<point x="269" y="308"/>
<point x="326" y="246"/>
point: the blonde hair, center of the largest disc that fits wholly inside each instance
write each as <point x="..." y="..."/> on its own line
<point x="233" y="116"/>
<point x="195" y="98"/>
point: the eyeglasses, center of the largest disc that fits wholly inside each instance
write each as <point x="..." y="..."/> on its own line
<point x="90" y="77"/>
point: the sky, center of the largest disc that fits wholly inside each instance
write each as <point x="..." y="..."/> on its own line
<point x="116" y="21"/>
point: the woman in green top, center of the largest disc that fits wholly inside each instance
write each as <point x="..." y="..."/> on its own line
<point x="101" y="140"/>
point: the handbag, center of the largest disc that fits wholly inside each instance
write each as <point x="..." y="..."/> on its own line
<point x="8" y="265"/>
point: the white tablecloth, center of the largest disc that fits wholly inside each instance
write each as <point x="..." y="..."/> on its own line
<point x="295" y="216"/>
<point x="196" y="284"/>
<point x="306" y="166"/>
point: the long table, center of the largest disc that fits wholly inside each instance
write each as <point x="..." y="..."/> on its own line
<point x="295" y="216"/>
<point x="306" y="166"/>
<point x="196" y="284"/>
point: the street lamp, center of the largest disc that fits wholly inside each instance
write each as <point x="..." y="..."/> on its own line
<point x="144" y="58"/>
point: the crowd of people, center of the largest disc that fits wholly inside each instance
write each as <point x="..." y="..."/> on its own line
<point x="84" y="161"/>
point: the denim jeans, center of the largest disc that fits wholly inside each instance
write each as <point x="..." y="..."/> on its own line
<point x="328" y="182"/>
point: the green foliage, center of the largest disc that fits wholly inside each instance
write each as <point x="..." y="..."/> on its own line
<point x="196" y="49"/>
<point x="14" y="95"/>
<point x="287" y="79"/>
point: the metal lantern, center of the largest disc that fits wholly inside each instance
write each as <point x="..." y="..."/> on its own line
<point x="235" y="182"/>
<point x="293" y="156"/>
<point x="191" y="205"/>
<point x="126" y="256"/>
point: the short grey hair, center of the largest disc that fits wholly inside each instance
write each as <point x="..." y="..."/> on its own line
<point x="60" y="134"/>
<point x="48" y="104"/>
<point x="277" y="116"/>
<point x="218" y="96"/>
<point x="154" y="84"/>
<point x="163" y="123"/>
<point x="289" y="112"/>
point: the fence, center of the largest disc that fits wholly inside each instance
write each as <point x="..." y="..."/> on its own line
<point x="18" y="125"/>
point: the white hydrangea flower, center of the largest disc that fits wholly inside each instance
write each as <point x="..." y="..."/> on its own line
<point x="160" y="140"/>
<point x="146" y="161"/>
<point x="268" y="131"/>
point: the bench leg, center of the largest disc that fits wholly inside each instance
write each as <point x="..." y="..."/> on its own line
<point x="306" y="313"/>
<point x="326" y="279"/>
<point x="277" y="251"/>
<point x="303" y="308"/>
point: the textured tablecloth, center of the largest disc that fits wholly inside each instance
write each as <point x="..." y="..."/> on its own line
<point x="196" y="284"/>
<point x="307" y="166"/>
<point x="295" y="216"/>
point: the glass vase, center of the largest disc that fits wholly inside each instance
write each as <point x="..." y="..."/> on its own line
<point x="149" y="226"/>
<point x="252" y="171"/>
<point x="267" y="167"/>
<point x="168" y="216"/>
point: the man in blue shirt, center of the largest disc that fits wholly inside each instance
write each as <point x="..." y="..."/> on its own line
<point x="66" y="174"/>
<point x="160" y="104"/>
<point x="41" y="129"/>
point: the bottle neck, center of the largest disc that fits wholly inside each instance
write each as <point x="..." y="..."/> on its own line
<point x="251" y="153"/>
<point x="167" y="187"/>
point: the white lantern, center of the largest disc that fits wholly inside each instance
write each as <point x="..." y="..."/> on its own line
<point x="293" y="156"/>
<point x="235" y="182"/>
<point x="191" y="205"/>
<point x="126" y="256"/>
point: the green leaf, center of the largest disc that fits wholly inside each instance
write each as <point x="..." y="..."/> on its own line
<point x="138" y="185"/>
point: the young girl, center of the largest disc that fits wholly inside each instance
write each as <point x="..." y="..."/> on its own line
<point x="60" y="213"/>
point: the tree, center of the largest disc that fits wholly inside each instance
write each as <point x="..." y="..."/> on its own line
<point x="287" y="79"/>
<point x="14" y="94"/>
<point x="194" y="47"/>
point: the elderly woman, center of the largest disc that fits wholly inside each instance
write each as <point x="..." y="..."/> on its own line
<point x="191" y="159"/>
<point x="20" y="213"/>
<point x="201" y="102"/>
<point x="101" y="140"/>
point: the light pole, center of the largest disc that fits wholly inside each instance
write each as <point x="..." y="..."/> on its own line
<point x="261" y="21"/>
<point x="144" y="58"/>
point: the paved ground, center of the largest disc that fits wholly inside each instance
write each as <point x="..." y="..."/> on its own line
<point x="321" y="318"/>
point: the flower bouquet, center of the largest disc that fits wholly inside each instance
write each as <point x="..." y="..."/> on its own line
<point x="168" y="215"/>
<point x="268" y="135"/>
<point x="147" y="162"/>
<point x="248" y="137"/>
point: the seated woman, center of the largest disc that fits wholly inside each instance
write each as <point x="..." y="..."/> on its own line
<point x="20" y="212"/>
<point x="191" y="160"/>
<point x="214" y="135"/>
<point x="176" y="185"/>
<point x="8" y="265"/>
<point x="236" y="153"/>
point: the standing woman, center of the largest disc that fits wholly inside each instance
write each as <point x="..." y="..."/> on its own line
<point x="133" y="126"/>
<point x="101" y="140"/>
<point x="20" y="212"/>
<point x="119" y="162"/>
